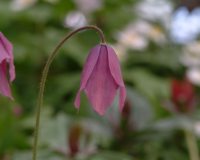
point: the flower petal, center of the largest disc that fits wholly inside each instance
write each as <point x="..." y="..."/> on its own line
<point x="6" y="51"/>
<point x="114" y="66"/>
<point x="101" y="87"/>
<point x="4" y="84"/>
<point x="87" y="71"/>
<point x="11" y="70"/>
<point x="4" y="54"/>
<point x="116" y="73"/>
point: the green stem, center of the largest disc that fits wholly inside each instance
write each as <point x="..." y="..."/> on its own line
<point x="192" y="145"/>
<point x="44" y="77"/>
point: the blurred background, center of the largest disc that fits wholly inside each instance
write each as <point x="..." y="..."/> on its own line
<point x="157" y="42"/>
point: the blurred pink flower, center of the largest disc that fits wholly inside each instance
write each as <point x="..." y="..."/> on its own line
<point x="17" y="111"/>
<point x="183" y="95"/>
<point x="101" y="78"/>
<point x="6" y="58"/>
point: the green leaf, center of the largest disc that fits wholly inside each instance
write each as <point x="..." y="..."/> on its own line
<point x="148" y="84"/>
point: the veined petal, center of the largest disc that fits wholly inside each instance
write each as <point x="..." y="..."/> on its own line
<point x="115" y="70"/>
<point x="114" y="66"/>
<point x="7" y="45"/>
<point x="101" y="87"/>
<point x="89" y="65"/>
<point x="4" y="84"/>
<point x="11" y="70"/>
<point x="87" y="71"/>
<point x="77" y="100"/>
<point x="4" y="54"/>
<point x="6" y="50"/>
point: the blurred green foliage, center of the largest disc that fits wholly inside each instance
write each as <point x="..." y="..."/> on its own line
<point x="149" y="131"/>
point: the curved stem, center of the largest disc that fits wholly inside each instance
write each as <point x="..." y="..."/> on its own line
<point x="44" y="77"/>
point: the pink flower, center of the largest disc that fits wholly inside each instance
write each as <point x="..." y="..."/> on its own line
<point x="101" y="78"/>
<point x="6" y="58"/>
<point x="17" y="111"/>
<point x="183" y="95"/>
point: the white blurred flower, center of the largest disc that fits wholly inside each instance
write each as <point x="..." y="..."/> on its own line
<point x="157" y="35"/>
<point x="75" y="19"/>
<point x="153" y="32"/>
<point x="120" y="51"/>
<point x="185" y="25"/>
<point x="137" y="35"/>
<point x="142" y="27"/>
<point x="191" y="59"/>
<point x="132" y="39"/>
<point x="197" y="128"/>
<point x="193" y="75"/>
<point x="18" y="5"/>
<point x="155" y="10"/>
<point x="191" y="55"/>
<point x="88" y="6"/>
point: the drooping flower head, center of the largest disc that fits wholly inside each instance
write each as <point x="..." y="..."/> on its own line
<point x="6" y="60"/>
<point x="101" y="78"/>
<point x="183" y="95"/>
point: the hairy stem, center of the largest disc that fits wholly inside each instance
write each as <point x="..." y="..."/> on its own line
<point x="44" y="77"/>
<point x="192" y="145"/>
